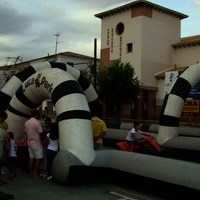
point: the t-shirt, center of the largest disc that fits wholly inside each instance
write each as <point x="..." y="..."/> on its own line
<point x="53" y="144"/>
<point x="98" y="127"/>
<point x="33" y="128"/>
<point x="133" y="135"/>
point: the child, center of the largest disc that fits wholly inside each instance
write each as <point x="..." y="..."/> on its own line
<point x="135" y="136"/>
<point x="12" y="156"/>
<point x="52" y="148"/>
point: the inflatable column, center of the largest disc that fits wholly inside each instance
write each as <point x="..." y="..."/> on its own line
<point x="174" y="101"/>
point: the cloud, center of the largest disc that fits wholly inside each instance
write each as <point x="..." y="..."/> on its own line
<point x="28" y="26"/>
<point x="12" y="22"/>
<point x="97" y="4"/>
<point x="197" y="2"/>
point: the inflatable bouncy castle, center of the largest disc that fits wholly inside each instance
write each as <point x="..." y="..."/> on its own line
<point x="74" y="99"/>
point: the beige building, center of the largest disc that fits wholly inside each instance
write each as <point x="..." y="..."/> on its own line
<point x="149" y="37"/>
<point x="78" y="61"/>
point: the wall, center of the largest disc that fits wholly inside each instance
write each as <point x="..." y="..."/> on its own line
<point x="158" y="34"/>
<point x="185" y="56"/>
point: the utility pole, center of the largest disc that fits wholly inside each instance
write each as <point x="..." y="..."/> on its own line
<point x="95" y="63"/>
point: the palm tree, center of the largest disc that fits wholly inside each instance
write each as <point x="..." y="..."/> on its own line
<point x="117" y="84"/>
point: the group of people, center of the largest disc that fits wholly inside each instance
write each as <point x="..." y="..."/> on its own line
<point x="42" y="142"/>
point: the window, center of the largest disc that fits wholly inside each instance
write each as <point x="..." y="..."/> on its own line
<point x="129" y="47"/>
<point x="119" y="28"/>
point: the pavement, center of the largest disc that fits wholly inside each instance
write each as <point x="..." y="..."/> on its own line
<point x="28" y="188"/>
<point x="130" y="188"/>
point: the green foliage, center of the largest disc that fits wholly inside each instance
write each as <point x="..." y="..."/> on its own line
<point x="117" y="83"/>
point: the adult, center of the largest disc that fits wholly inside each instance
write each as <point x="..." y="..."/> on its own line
<point x="99" y="131"/>
<point x="3" y="139"/>
<point x="4" y="126"/>
<point x="34" y="132"/>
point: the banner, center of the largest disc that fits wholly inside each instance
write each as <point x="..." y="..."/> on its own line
<point x="191" y="106"/>
<point x="169" y="79"/>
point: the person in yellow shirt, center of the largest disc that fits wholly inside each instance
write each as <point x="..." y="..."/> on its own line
<point x="99" y="131"/>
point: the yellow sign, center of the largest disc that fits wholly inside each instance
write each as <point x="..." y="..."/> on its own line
<point x="191" y="106"/>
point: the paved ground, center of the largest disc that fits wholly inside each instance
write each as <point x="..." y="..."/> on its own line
<point x="27" y="188"/>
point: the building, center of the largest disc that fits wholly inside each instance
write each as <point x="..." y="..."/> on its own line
<point x="148" y="36"/>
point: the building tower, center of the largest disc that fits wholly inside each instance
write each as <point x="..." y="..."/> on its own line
<point x="141" y="33"/>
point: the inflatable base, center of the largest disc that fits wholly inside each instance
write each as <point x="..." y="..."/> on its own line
<point x="61" y="165"/>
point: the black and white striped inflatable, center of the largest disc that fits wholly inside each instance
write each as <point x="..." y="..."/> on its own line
<point x="74" y="99"/>
<point x="16" y="81"/>
<point x="173" y="104"/>
<point x="73" y="113"/>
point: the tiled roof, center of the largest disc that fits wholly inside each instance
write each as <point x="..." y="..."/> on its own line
<point x="72" y="54"/>
<point x="188" y="41"/>
<point x="141" y="3"/>
<point x="67" y="53"/>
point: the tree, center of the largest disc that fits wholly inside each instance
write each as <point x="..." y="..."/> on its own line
<point x="117" y="84"/>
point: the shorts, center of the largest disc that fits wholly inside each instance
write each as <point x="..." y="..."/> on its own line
<point x="36" y="151"/>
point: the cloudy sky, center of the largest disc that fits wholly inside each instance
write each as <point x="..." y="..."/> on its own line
<point x="28" y="27"/>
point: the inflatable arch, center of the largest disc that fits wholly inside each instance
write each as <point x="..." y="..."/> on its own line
<point x="71" y="109"/>
<point x="171" y="110"/>
<point x="13" y="99"/>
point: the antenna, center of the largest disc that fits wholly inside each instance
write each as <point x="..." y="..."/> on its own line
<point x="56" y="35"/>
